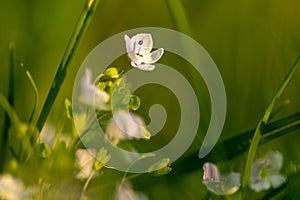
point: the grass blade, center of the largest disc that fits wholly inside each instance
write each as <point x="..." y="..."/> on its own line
<point x="11" y="113"/>
<point x="72" y="46"/>
<point x="35" y="90"/>
<point x="232" y="147"/>
<point x="178" y="15"/>
<point x="262" y="122"/>
<point x="10" y="98"/>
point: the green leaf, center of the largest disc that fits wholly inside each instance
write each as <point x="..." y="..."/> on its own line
<point x="263" y="121"/>
<point x="134" y="102"/>
<point x="111" y="72"/>
<point x="80" y="28"/>
<point x="102" y="158"/>
<point x="160" y="168"/>
<point x="68" y="106"/>
<point x="10" y="111"/>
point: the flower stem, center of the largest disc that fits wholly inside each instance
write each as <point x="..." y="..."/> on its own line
<point x="35" y="90"/>
<point x="73" y="45"/>
<point x="87" y="182"/>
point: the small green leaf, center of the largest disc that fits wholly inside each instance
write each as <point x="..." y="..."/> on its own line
<point x="68" y="106"/>
<point x="134" y="102"/>
<point x="44" y="151"/>
<point x="160" y="168"/>
<point x="111" y="72"/>
<point x="102" y="158"/>
<point x="146" y="134"/>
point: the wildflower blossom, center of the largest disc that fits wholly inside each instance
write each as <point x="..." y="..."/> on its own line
<point x="124" y="125"/>
<point x="91" y="95"/>
<point x="86" y="161"/>
<point x="219" y="184"/>
<point x="49" y="135"/>
<point x="138" y="49"/>
<point x="265" y="172"/>
<point x="125" y="192"/>
<point x="12" y="188"/>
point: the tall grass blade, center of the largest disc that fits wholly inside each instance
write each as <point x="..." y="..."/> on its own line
<point x="72" y="46"/>
<point x="262" y="122"/>
<point x="179" y="16"/>
<point x="10" y="98"/>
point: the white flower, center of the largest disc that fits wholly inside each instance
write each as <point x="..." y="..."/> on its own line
<point x="125" y="192"/>
<point x="49" y="135"/>
<point x="91" y="95"/>
<point x="124" y="125"/>
<point x="86" y="161"/>
<point x="138" y="49"/>
<point x="265" y="172"/>
<point x="12" y="188"/>
<point x="217" y="183"/>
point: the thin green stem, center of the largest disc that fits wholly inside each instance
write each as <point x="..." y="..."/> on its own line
<point x="35" y="90"/>
<point x="87" y="182"/>
<point x="73" y="45"/>
<point x="263" y="121"/>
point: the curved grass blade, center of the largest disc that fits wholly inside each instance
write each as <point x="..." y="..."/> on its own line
<point x="263" y="121"/>
<point x="11" y="113"/>
<point x="10" y="98"/>
<point x="73" y="45"/>
<point x="235" y="146"/>
<point x="35" y="90"/>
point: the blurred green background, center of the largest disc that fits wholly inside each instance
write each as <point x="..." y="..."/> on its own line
<point x="253" y="43"/>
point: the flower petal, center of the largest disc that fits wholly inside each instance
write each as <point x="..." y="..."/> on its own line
<point x="276" y="180"/>
<point x="260" y="185"/>
<point x="128" y="43"/>
<point x="146" y="67"/>
<point x="220" y="185"/>
<point x="124" y="125"/>
<point x="276" y="160"/>
<point x="142" y="43"/>
<point x="211" y="172"/>
<point x="91" y="95"/>
<point x="85" y="160"/>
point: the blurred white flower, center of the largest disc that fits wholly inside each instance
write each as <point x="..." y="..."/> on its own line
<point x="124" y="125"/>
<point x="219" y="184"/>
<point x="86" y="161"/>
<point x="12" y="188"/>
<point x="265" y="172"/>
<point x="125" y="192"/>
<point x="138" y="49"/>
<point x="49" y="135"/>
<point x="91" y="95"/>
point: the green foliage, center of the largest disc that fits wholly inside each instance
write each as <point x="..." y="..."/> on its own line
<point x="160" y="168"/>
